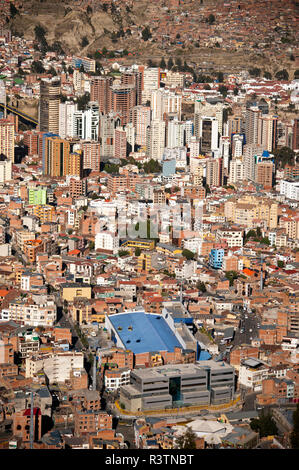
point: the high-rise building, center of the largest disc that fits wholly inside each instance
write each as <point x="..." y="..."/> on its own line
<point x="267" y="132"/>
<point x="5" y="169"/>
<point x="100" y="92"/>
<point x="214" y="172"/>
<point x="120" y="143"/>
<point x="141" y="119"/>
<point x="7" y="139"/>
<point x="49" y="106"/>
<point x="209" y="134"/>
<point x="151" y="81"/>
<point x="56" y="156"/>
<point x="253" y="115"/>
<point x="264" y="174"/>
<point x="156" y="139"/>
<point x="175" y="133"/>
<point x="295" y="140"/>
<point x="86" y="123"/>
<point x="123" y="99"/>
<point x="236" y="170"/>
<point x="74" y="164"/>
<point x="66" y="119"/>
<point x="108" y="123"/>
<point x="91" y="155"/>
<point x="249" y="153"/>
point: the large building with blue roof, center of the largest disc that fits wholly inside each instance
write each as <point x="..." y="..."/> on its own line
<point x="142" y="332"/>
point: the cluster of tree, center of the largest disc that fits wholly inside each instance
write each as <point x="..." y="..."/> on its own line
<point x="146" y="34"/>
<point x="284" y="156"/>
<point x="201" y="287"/>
<point x="82" y="101"/>
<point x="282" y="75"/>
<point x="152" y="166"/>
<point x="211" y="19"/>
<point x="231" y="276"/>
<point x="13" y="10"/>
<point x="257" y="236"/>
<point x="264" y="425"/>
<point x="188" y="254"/>
<point x="84" y="41"/>
<point x="186" y="440"/>
<point x="122" y="253"/>
<point x="37" y="67"/>
<point x="255" y="72"/>
<point x="294" y="437"/>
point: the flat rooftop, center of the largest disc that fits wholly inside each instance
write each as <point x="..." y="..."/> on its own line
<point x="144" y="332"/>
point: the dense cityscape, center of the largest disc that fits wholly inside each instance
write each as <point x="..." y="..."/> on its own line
<point x="149" y="225"/>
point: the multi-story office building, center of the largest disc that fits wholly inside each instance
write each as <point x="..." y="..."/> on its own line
<point x="7" y="139"/>
<point x="214" y="171"/>
<point x="141" y="119"/>
<point x="49" y="106"/>
<point x="236" y="170"/>
<point x="5" y="169"/>
<point x="295" y="140"/>
<point x="56" y="156"/>
<point x="86" y="123"/>
<point x="100" y="92"/>
<point x="151" y="81"/>
<point x="120" y="143"/>
<point x="264" y="174"/>
<point x="267" y="132"/>
<point x="253" y="115"/>
<point x="66" y="119"/>
<point x="209" y="134"/>
<point x="156" y="139"/>
<point x="170" y="386"/>
<point x="122" y="100"/>
<point x="108" y="124"/>
<point x="91" y="155"/>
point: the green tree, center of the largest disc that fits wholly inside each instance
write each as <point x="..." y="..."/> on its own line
<point x="265" y="425"/>
<point x="122" y="253"/>
<point x="13" y="10"/>
<point x="152" y="167"/>
<point x="280" y="263"/>
<point x="220" y="77"/>
<point x="294" y="436"/>
<point x="83" y="101"/>
<point x="201" y="286"/>
<point x="223" y="90"/>
<point x="162" y="63"/>
<point x="187" y="440"/>
<point x="188" y="254"/>
<point x="211" y="19"/>
<point x="231" y="276"/>
<point x="254" y="72"/>
<point x="296" y="74"/>
<point x="137" y="251"/>
<point x="267" y="75"/>
<point x="170" y="63"/>
<point x="282" y="75"/>
<point x="37" y="67"/>
<point x="146" y="34"/>
<point x="84" y="41"/>
<point x="284" y="156"/>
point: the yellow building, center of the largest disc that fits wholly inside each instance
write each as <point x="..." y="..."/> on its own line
<point x="71" y="291"/>
<point x="138" y="243"/>
<point x="248" y="209"/>
<point x="45" y="213"/>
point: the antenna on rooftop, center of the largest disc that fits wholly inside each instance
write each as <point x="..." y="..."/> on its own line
<point x="31" y="422"/>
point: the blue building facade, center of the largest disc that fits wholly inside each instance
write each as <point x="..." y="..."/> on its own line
<point x="216" y="258"/>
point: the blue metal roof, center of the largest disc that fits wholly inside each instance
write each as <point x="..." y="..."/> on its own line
<point x="143" y="332"/>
